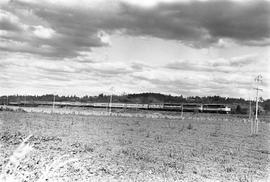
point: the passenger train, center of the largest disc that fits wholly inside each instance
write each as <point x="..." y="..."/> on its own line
<point x="185" y="107"/>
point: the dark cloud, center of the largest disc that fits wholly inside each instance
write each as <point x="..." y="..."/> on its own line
<point x="200" y="24"/>
<point x="9" y="22"/>
<point x="5" y="24"/>
<point x="242" y="21"/>
<point x="196" y="24"/>
<point x="59" y="33"/>
<point x="203" y="23"/>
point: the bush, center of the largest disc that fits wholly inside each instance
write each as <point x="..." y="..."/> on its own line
<point x="189" y="127"/>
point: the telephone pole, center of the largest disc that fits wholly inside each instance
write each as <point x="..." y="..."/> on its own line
<point x="250" y="109"/>
<point x="182" y="109"/>
<point x="53" y="102"/>
<point x="24" y="100"/>
<point x="110" y="104"/>
<point x="255" y="123"/>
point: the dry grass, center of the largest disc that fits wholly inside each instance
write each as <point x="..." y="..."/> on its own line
<point x="14" y="170"/>
<point x="11" y="171"/>
<point x="130" y="149"/>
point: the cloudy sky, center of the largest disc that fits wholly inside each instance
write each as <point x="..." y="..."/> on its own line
<point x="174" y="47"/>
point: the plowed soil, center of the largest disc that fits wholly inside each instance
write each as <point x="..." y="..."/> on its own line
<point x="113" y="148"/>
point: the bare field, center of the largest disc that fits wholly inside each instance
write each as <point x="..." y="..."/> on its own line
<point x="113" y="148"/>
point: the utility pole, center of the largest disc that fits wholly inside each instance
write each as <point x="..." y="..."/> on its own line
<point x="255" y="123"/>
<point x="110" y="104"/>
<point x="250" y="109"/>
<point x="182" y="109"/>
<point x="53" y="102"/>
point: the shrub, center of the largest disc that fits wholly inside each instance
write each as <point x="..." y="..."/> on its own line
<point x="148" y="134"/>
<point x="189" y="127"/>
<point x="158" y="138"/>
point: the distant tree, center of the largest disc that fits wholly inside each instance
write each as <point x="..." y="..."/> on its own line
<point x="266" y="105"/>
<point x="239" y="104"/>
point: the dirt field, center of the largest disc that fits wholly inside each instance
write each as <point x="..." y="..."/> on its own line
<point x="113" y="148"/>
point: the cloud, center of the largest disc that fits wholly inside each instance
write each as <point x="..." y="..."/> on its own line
<point x="189" y="66"/>
<point x="201" y="24"/>
<point x="49" y="38"/>
<point x="49" y="45"/>
<point x="224" y="76"/>
<point x="25" y="73"/>
<point x="8" y="21"/>
<point x="65" y="29"/>
<point x="42" y="32"/>
<point x="44" y="70"/>
<point x="240" y="64"/>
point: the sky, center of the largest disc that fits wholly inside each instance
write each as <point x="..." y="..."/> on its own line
<point x="177" y="47"/>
